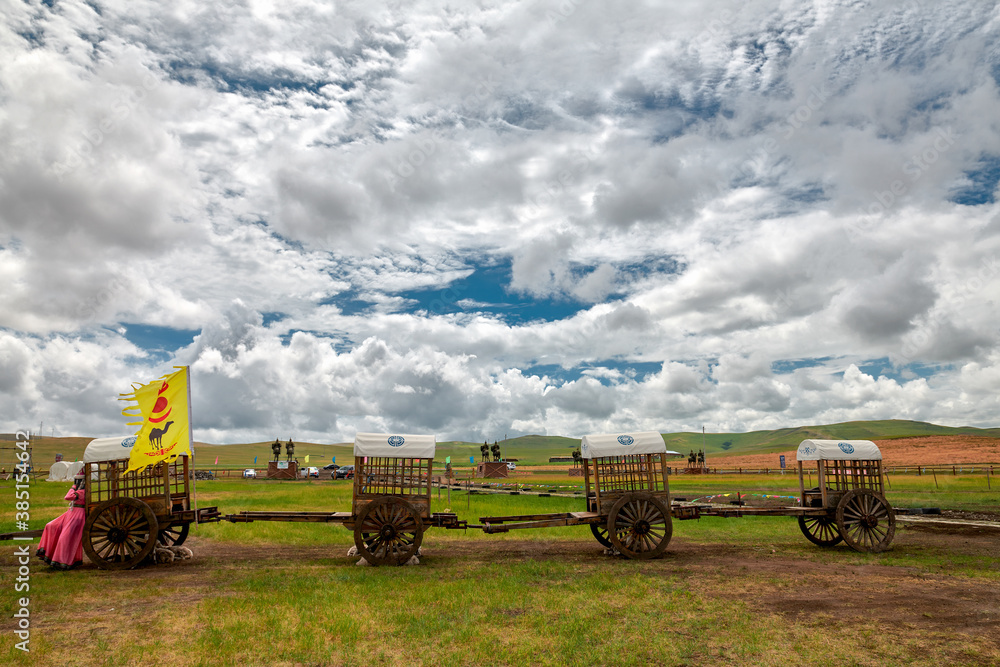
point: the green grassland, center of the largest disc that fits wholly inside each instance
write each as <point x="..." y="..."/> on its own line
<point x="286" y="594"/>
<point x="537" y="449"/>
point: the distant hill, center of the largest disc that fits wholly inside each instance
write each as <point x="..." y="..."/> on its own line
<point x="534" y="449"/>
<point x="763" y="442"/>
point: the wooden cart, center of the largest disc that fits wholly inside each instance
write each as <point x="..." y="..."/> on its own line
<point x="390" y="508"/>
<point x="129" y="512"/>
<point x="848" y="504"/>
<point x="851" y="492"/>
<point x="627" y="492"/>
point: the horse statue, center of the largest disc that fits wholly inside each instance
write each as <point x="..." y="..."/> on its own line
<point x="577" y="458"/>
<point x="276" y="449"/>
<point x="484" y="449"/>
<point x="290" y="449"/>
<point x="496" y="451"/>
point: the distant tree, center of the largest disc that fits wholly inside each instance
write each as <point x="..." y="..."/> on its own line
<point x="727" y="444"/>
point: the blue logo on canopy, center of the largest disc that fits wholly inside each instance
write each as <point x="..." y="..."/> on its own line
<point x="626" y="440"/>
<point x="846" y="447"/>
<point x="129" y="441"/>
<point x="808" y="450"/>
<point x="396" y="440"/>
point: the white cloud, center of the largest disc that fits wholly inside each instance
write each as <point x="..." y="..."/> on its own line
<point x="711" y="190"/>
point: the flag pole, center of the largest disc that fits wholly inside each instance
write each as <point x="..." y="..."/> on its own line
<point x="194" y="477"/>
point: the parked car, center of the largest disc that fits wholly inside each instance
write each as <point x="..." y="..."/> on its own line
<point x="312" y="472"/>
<point x="330" y="466"/>
<point x="250" y="472"/>
<point x="343" y="472"/>
<point x="511" y="465"/>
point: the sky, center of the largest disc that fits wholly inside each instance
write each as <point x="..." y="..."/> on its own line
<point x="490" y="219"/>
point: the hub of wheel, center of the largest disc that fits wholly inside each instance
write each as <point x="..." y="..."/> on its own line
<point x="870" y="521"/>
<point x="116" y="535"/>
<point x="640" y="527"/>
<point x="387" y="532"/>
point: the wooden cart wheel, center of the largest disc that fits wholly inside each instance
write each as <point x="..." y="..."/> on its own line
<point x="600" y="532"/>
<point x="639" y="526"/>
<point x="866" y="521"/>
<point x="119" y="533"/>
<point x="388" y="531"/>
<point x="173" y="536"/>
<point x="820" y="530"/>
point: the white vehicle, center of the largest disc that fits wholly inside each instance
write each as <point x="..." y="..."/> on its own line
<point x="511" y="465"/>
<point x="312" y="472"/>
<point x="250" y="472"/>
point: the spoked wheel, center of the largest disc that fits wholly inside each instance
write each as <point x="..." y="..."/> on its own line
<point x="639" y="526"/>
<point x="119" y="533"/>
<point x="600" y="532"/>
<point x="820" y="530"/>
<point x="173" y="536"/>
<point x="388" y="531"/>
<point x="866" y="521"/>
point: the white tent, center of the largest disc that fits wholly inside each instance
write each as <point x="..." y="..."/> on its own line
<point x="64" y="471"/>
<point x="74" y="468"/>
<point x="57" y="472"/>
<point x="838" y="450"/>
<point x="395" y="445"/>
<point x="621" y="444"/>
<point x="109" y="449"/>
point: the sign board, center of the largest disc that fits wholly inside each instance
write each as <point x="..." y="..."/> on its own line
<point x="782" y="458"/>
<point x="282" y="465"/>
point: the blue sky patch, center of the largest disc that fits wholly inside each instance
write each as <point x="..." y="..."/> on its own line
<point x="635" y="370"/>
<point x="158" y="339"/>
<point x="786" y="366"/>
<point x="983" y="184"/>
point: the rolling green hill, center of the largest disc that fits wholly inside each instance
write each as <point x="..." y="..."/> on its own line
<point x="528" y="449"/>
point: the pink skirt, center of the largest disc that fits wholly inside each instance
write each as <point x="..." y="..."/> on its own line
<point x="61" y="545"/>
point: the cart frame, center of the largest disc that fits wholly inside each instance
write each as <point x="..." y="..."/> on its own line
<point x="627" y="495"/>
<point x="390" y="500"/>
<point x="129" y="512"/>
<point x="847" y="505"/>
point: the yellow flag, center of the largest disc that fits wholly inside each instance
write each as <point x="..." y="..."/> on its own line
<point x="307" y="458"/>
<point x="165" y="431"/>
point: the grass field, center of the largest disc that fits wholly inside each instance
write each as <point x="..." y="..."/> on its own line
<point x="728" y="591"/>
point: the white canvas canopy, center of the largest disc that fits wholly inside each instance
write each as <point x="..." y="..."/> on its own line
<point x="838" y="450"/>
<point x="109" y="449"/>
<point x="621" y="444"/>
<point x="397" y="445"/>
<point x="57" y="472"/>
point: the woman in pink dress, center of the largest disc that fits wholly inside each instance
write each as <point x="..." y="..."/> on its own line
<point x="61" y="545"/>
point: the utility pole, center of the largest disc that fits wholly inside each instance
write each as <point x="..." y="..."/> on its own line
<point x="704" y="454"/>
